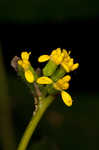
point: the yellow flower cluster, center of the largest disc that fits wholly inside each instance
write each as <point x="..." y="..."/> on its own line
<point x="60" y="57"/>
<point x="25" y="64"/>
<point x="61" y="85"/>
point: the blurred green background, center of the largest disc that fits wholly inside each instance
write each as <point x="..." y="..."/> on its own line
<point x="47" y="11"/>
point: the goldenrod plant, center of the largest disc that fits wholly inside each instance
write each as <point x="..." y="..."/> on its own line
<point x="44" y="84"/>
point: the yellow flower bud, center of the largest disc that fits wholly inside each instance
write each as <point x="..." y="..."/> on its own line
<point x="25" y="55"/>
<point x="29" y="76"/>
<point x="43" y="58"/>
<point x="66" y="98"/>
<point x="44" y="80"/>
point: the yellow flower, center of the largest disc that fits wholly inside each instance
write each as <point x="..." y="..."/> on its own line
<point x="68" y="62"/>
<point x="25" y="60"/>
<point x="56" y="56"/>
<point x="62" y="58"/>
<point x="25" y="64"/>
<point x="25" y="56"/>
<point x="61" y="85"/>
<point x="29" y="76"/>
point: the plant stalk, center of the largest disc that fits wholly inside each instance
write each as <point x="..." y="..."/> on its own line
<point x="34" y="122"/>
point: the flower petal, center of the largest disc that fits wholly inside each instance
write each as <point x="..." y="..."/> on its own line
<point x="56" y="86"/>
<point x="66" y="78"/>
<point x="58" y="51"/>
<point x="75" y="66"/>
<point x="66" y="98"/>
<point x="56" y="56"/>
<point x="29" y="76"/>
<point x="44" y="80"/>
<point x="25" y="55"/>
<point x="65" y="67"/>
<point x="61" y="85"/>
<point x="65" y="86"/>
<point x="43" y="58"/>
<point x="54" y="52"/>
<point x="64" y="52"/>
<point x="70" y="63"/>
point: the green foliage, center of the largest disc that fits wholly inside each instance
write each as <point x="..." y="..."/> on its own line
<point x="37" y="11"/>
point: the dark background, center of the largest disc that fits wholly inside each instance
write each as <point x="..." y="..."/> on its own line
<point x="40" y="27"/>
<point x="81" y="37"/>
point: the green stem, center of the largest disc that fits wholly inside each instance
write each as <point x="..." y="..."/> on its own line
<point x="59" y="73"/>
<point x="33" y="123"/>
